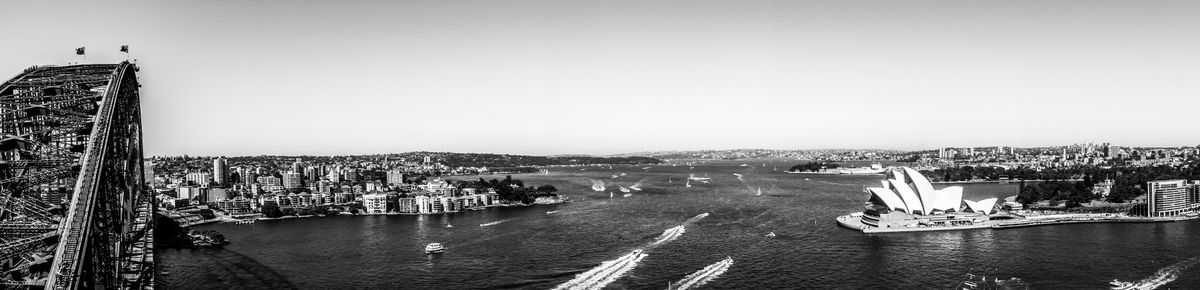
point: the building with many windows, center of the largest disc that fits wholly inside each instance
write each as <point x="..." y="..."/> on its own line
<point x="200" y="178"/>
<point x="292" y="180"/>
<point x="1171" y="197"/>
<point x="220" y="171"/>
<point x="375" y="203"/>
<point x="395" y="177"/>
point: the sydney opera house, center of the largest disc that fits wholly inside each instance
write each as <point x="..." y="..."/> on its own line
<point x="907" y="200"/>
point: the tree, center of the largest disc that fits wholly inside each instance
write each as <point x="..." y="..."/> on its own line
<point x="207" y="214"/>
<point x="271" y="210"/>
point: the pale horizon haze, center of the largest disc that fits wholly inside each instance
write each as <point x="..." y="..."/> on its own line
<point x="604" y="77"/>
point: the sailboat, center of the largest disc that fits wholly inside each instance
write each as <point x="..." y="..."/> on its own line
<point x="610" y="196"/>
<point x="759" y="191"/>
<point x="689" y="183"/>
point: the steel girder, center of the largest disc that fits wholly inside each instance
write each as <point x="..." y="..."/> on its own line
<point x="71" y="180"/>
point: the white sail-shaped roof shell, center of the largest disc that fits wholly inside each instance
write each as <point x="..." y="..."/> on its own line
<point x="898" y="175"/>
<point x="948" y="198"/>
<point x="910" y="198"/>
<point x="909" y="191"/>
<point x="983" y="206"/>
<point x="888" y="197"/>
<point x="919" y="181"/>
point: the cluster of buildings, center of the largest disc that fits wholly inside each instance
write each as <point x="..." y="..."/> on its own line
<point x="377" y="203"/>
<point x="246" y="188"/>
<point x="1061" y="156"/>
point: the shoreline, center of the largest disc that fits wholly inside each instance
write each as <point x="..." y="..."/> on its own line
<point x="400" y="213"/>
<point x="854" y="223"/>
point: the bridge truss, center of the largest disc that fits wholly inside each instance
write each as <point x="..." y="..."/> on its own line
<point x="74" y="210"/>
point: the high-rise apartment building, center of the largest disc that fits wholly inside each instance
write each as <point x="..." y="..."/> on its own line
<point x="292" y="180"/>
<point x="1171" y="197"/>
<point x="220" y="171"/>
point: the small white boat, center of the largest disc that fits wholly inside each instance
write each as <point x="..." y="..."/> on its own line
<point x="449" y="225"/>
<point x="628" y="194"/>
<point x="434" y="248"/>
<point x="623" y="189"/>
<point x="771" y="235"/>
<point x="614" y="176"/>
<point x="622" y="174"/>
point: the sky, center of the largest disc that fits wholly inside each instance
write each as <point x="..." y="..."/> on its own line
<point x="603" y="77"/>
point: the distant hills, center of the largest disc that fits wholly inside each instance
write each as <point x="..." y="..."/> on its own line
<point x="759" y="153"/>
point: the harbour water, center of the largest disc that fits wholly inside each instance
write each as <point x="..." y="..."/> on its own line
<point x="593" y="239"/>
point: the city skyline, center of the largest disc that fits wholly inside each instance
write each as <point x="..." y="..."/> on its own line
<point x="548" y="78"/>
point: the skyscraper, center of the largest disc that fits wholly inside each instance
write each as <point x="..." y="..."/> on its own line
<point x="220" y="171"/>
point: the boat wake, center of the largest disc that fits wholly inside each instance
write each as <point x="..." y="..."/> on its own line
<point x="637" y="186"/>
<point x="605" y="273"/>
<point x="669" y="235"/>
<point x="1162" y="277"/>
<point x="597" y="185"/>
<point x="972" y="282"/>
<point x="704" y="276"/>
<point x="609" y="271"/>
<point x="496" y="222"/>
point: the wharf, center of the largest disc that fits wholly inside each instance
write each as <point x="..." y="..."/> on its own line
<point x="1033" y="222"/>
<point x="855" y="223"/>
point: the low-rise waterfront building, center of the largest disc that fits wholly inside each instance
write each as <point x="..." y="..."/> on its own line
<point x="375" y="203"/>
<point x="235" y="206"/>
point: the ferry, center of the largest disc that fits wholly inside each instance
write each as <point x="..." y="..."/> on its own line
<point x="434" y="248"/>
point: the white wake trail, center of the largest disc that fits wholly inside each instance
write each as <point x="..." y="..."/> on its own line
<point x="699" y="278"/>
<point x="669" y="235"/>
<point x="1162" y="277"/>
<point x="496" y="222"/>
<point x="605" y="273"/>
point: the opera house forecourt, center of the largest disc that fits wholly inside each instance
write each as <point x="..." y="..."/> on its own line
<point x="907" y="201"/>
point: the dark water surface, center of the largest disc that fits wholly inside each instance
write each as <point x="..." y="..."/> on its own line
<point x="531" y="249"/>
